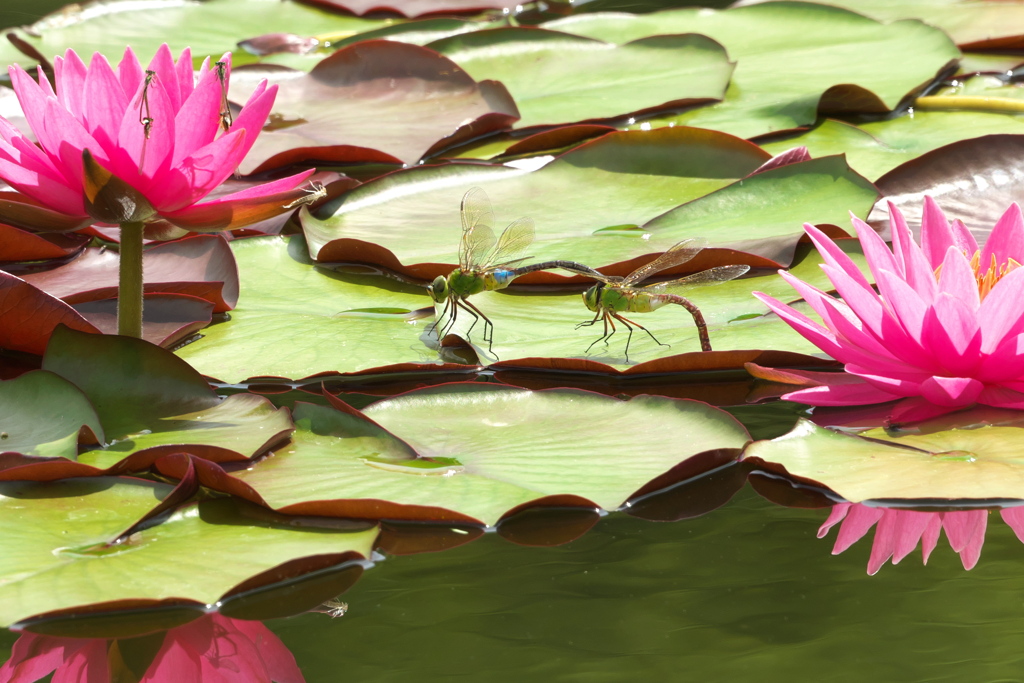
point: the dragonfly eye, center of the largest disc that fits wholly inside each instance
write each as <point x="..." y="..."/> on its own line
<point x="592" y="297"/>
<point x="438" y="289"/>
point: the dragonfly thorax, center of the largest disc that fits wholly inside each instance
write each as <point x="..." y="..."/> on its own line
<point x="466" y="283"/>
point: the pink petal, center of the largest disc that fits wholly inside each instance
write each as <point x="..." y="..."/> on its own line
<point x="1014" y="518"/>
<point x="962" y="527"/>
<point x="937" y="236"/>
<point x="910" y="309"/>
<point x="198" y="120"/>
<point x="40" y="186"/>
<point x="884" y="542"/>
<point x="957" y="279"/>
<point x="31" y="98"/>
<point x="64" y="138"/>
<point x="167" y="73"/>
<point x="1005" y="363"/>
<point x="953" y="392"/>
<point x="1001" y="314"/>
<point x="1007" y="239"/>
<point x="242" y="208"/>
<point x="104" y="102"/>
<point x="914" y="267"/>
<point x="909" y="530"/>
<point x="930" y="537"/>
<point x="858" y="522"/>
<point x="197" y="175"/>
<point x="950" y="331"/>
<point x="876" y="251"/>
<point x="861" y="299"/>
<point x="254" y="114"/>
<point x="70" y="78"/>
<point x="841" y="395"/>
<point x="1002" y="397"/>
<point x="894" y="387"/>
<point x="146" y="156"/>
<point x="279" y="661"/>
<point x="44" y="83"/>
<point x="186" y="77"/>
<point x="34" y="656"/>
<point x="837" y="514"/>
<point x="807" y="328"/>
<point x="915" y="410"/>
<point x="835" y="256"/>
<point x="130" y="73"/>
<point x="87" y="664"/>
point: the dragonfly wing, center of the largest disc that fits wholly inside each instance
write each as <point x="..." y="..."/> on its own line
<point x="477" y="234"/>
<point x="515" y="238"/>
<point x="681" y="252"/>
<point x="711" y="276"/>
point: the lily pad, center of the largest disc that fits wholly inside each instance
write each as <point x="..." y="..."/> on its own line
<point x="28" y="316"/>
<point x="58" y="555"/>
<point x="973" y="180"/>
<point x="794" y="59"/>
<point x="973" y="24"/>
<point x="571" y="78"/>
<point x="209" y="28"/>
<point x="166" y="318"/>
<point x="372" y="102"/>
<point x="21" y="245"/>
<point x="296" y="320"/>
<point x="30" y="425"/>
<point x="982" y="464"/>
<point x="200" y="266"/>
<point x="875" y="148"/>
<point x="415" y="8"/>
<point x="475" y="453"/>
<point x="584" y="202"/>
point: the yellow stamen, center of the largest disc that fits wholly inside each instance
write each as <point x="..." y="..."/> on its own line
<point x="987" y="278"/>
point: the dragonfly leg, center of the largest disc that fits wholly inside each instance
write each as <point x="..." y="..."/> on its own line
<point x="607" y="335"/>
<point x="698" y="320"/>
<point x="451" y="306"/>
<point x="433" y="327"/>
<point x="626" y="321"/>
<point x="488" y="325"/>
<point x="588" y="323"/>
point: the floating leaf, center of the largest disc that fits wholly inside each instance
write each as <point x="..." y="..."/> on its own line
<point x="583" y="203"/>
<point x="375" y="101"/>
<point x="166" y="318"/>
<point x="21" y="245"/>
<point x="42" y="414"/>
<point x="572" y="78"/>
<point x="296" y="320"/>
<point x="58" y="554"/>
<point x="794" y="59"/>
<point x="959" y="464"/>
<point x="200" y="266"/>
<point x="28" y="316"/>
<point x="973" y="180"/>
<point x="209" y="28"/>
<point x="474" y="453"/>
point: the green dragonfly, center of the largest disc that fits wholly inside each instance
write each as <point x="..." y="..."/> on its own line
<point x="486" y="264"/>
<point x="612" y="296"/>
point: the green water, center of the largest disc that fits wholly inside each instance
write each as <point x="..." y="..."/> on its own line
<point x="744" y="592"/>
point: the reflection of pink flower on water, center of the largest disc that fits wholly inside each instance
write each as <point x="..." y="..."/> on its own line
<point x="945" y="330"/>
<point x="212" y="649"/>
<point x="899" y="531"/>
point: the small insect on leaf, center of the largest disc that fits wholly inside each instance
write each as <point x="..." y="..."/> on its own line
<point x="225" y="108"/>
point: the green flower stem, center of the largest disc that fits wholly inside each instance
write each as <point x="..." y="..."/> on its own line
<point x="129" y="293"/>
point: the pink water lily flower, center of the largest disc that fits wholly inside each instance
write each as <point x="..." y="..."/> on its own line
<point x="944" y="331"/>
<point x="900" y="531"/>
<point x="136" y="145"/>
<point x="213" y="648"/>
<point x="139" y="148"/>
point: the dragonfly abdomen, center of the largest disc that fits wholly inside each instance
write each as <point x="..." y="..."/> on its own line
<point x="499" y="278"/>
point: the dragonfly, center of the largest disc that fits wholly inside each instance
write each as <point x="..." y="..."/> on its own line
<point x="486" y="264"/>
<point x="613" y="296"/>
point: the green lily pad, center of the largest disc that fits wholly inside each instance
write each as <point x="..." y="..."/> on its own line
<point x="209" y="28"/>
<point x="873" y="149"/>
<point x="958" y="464"/>
<point x="296" y="320"/>
<point x="617" y="181"/>
<point x="57" y="555"/>
<point x="973" y="24"/>
<point x="475" y="452"/>
<point x="171" y="403"/>
<point x="572" y="78"/>
<point x="42" y="414"/>
<point x="793" y="59"/>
